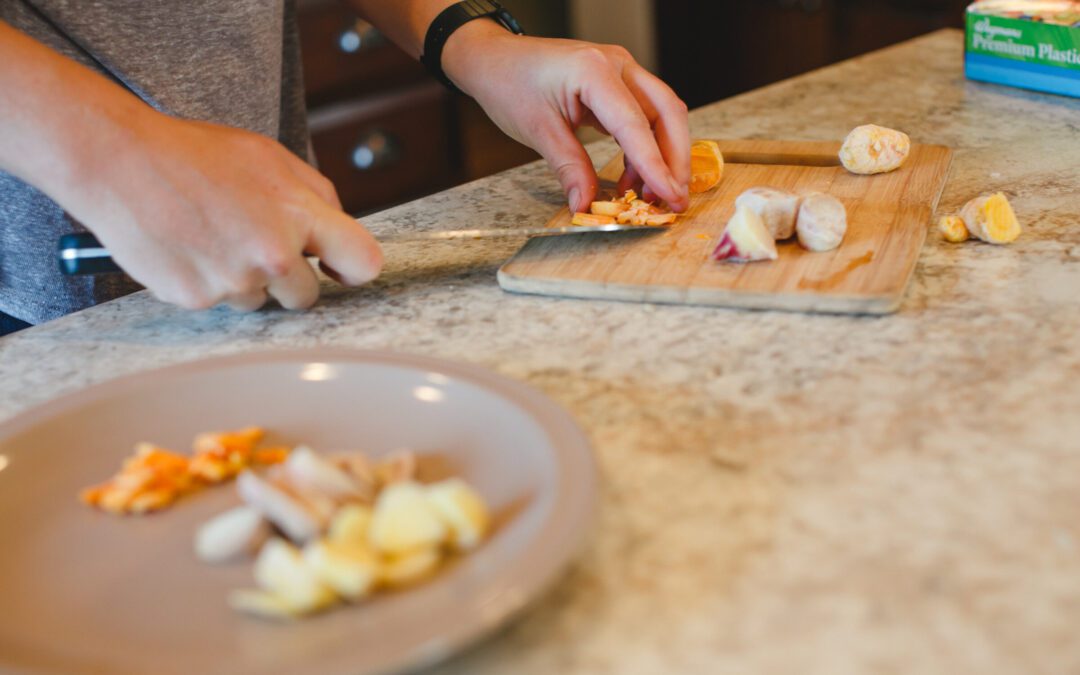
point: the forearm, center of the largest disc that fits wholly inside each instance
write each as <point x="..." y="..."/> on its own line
<point x="57" y="117"/>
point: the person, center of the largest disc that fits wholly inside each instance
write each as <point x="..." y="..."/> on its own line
<point x="176" y="133"/>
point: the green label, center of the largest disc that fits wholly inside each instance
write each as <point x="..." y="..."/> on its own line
<point x="1028" y="41"/>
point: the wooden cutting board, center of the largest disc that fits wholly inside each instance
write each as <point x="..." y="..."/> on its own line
<point x="888" y="217"/>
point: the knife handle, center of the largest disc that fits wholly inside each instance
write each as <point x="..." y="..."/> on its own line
<point x="81" y="253"/>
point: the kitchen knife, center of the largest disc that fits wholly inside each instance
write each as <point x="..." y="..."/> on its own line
<point x="81" y="252"/>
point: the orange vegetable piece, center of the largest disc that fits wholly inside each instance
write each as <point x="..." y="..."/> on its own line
<point x="275" y="455"/>
<point x="706" y="166"/>
<point x="590" y="219"/>
<point x="153" y="478"/>
<point x="610" y="209"/>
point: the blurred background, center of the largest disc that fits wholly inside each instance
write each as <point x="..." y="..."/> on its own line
<point x="384" y="132"/>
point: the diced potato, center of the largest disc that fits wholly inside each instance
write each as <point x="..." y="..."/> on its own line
<point x="406" y="570"/>
<point x="351" y="571"/>
<point x="350" y="526"/>
<point x="462" y="509"/>
<point x="262" y="604"/>
<point x="404" y="521"/>
<point x="280" y="569"/>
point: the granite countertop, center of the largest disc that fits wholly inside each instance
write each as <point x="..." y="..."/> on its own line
<point x="781" y="492"/>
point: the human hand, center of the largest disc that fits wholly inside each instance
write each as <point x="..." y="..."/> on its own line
<point x="202" y="214"/>
<point x="540" y="90"/>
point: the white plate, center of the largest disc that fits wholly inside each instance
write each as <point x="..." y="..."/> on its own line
<point x="85" y="592"/>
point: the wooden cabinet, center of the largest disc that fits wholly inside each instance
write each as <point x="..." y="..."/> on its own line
<point x="712" y="49"/>
<point x="383" y="130"/>
<point x="387" y="148"/>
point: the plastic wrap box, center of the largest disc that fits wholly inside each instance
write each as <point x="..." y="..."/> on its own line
<point x="1033" y="44"/>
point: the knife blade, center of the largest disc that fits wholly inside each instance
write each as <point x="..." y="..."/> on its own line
<point x="81" y="253"/>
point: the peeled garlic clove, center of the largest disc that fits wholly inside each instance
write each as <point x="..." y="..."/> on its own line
<point x="462" y="509"/>
<point x="293" y="518"/>
<point x="351" y="572"/>
<point x="409" y="569"/>
<point x="232" y="534"/>
<point x="404" y="521"/>
<point x="313" y="474"/>
<point x="262" y="604"/>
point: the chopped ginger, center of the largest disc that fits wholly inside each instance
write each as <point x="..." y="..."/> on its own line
<point x="953" y="229"/>
<point x="990" y="218"/>
<point x="626" y="210"/>
<point x="706" y="166"/>
<point x="607" y="208"/>
<point x="153" y="478"/>
<point x="591" y="220"/>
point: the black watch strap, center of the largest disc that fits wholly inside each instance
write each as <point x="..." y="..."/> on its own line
<point x="453" y="17"/>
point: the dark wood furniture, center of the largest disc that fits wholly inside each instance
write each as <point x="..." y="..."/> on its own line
<point x="383" y="130"/>
<point x="712" y="49"/>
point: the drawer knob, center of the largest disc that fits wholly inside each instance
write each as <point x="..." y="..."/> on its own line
<point x="376" y="149"/>
<point x="360" y="35"/>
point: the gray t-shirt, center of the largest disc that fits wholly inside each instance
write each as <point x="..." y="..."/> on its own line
<point x="233" y="62"/>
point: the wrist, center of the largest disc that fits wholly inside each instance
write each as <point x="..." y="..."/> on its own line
<point x="99" y="147"/>
<point x="469" y="49"/>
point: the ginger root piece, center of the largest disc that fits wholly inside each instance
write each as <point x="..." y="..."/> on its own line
<point x="990" y="217"/>
<point x="821" y="223"/>
<point x="871" y="149"/>
<point x="777" y="209"/>
<point x="953" y="229"/>
<point x="706" y="166"/>
<point x="625" y="210"/>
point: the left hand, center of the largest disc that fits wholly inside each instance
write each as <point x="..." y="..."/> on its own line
<point x="540" y="90"/>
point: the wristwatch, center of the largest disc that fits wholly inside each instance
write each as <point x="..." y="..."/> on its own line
<point x="453" y="17"/>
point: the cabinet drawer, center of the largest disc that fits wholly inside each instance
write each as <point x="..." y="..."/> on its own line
<point x="346" y="56"/>
<point x="386" y="149"/>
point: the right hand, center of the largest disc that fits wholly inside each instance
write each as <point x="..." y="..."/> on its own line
<point x="202" y="214"/>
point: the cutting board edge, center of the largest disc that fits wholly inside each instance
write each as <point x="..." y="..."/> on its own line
<point x="869" y="305"/>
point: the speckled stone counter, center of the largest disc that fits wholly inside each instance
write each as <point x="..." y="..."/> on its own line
<point x="782" y="493"/>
